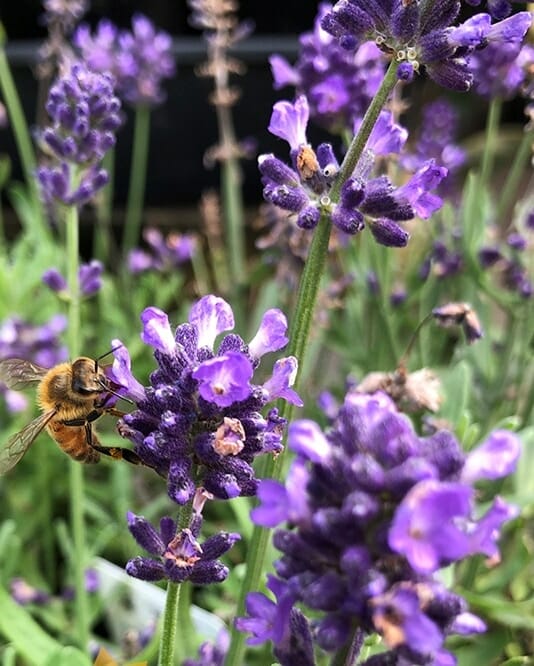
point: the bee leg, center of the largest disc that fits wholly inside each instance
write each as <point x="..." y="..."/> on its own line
<point x="122" y="453"/>
<point x="92" y="416"/>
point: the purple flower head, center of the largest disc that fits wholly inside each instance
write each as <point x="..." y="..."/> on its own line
<point x="23" y="593"/>
<point x="420" y="34"/>
<point x="496" y="457"/>
<point x="157" y="330"/>
<point x="40" y="344"/>
<point x="289" y="121"/>
<point x="54" y="280"/>
<point x="224" y="380"/>
<point x="499" y="9"/>
<point x="304" y="189"/>
<point x="85" y="114"/>
<point x="122" y="371"/>
<point x="271" y="335"/>
<point x="200" y="422"/>
<point x="90" y="277"/>
<point x="337" y="84"/>
<point x="267" y="620"/>
<point x="165" y="253"/>
<point x="211" y="316"/>
<point x="498" y="70"/>
<point x="372" y="512"/>
<point x="139" y="60"/>
<point x="212" y="654"/>
<point x="178" y="556"/>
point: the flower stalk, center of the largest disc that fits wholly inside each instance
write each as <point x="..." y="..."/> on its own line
<point x="299" y="336"/>
<point x="136" y="190"/>
<point x="76" y="474"/>
<point x="22" y="138"/>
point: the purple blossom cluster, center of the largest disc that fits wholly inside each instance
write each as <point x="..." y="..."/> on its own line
<point x="437" y="139"/>
<point x="499" y="9"/>
<point x="337" y="83"/>
<point x="508" y="260"/>
<point x="89" y="279"/>
<point x="139" y="60"/>
<point x="165" y="253"/>
<point x="177" y="554"/>
<point x="40" y="344"/>
<point x="501" y="69"/>
<point x="303" y="189"/>
<point x="85" y="115"/>
<point x="199" y="423"/>
<point x="373" y="513"/>
<point x="420" y="35"/>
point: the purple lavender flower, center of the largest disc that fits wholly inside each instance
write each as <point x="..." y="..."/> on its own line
<point x="436" y="139"/>
<point x="89" y="276"/>
<point x="212" y="654"/>
<point x="338" y="85"/>
<point x="374" y="511"/>
<point x="139" y="60"/>
<point x="304" y="189"/>
<point x="180" y="556"/>
<point x="499" y="70"/>
<point x="199" y="423"/>
<point x="165" y="253"/>
<point x="85" y="115"/>
<point x="40" y="344"/>
<point x="499" y="9"/>
<point x="24" y="593"/>
<point x="421" y="34"/>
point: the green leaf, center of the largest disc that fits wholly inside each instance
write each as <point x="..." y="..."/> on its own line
<point x="20" y="629"/>
<point x="68" y="656"/>
<point x="524" y="478"/>
<point x="457" y="386"/>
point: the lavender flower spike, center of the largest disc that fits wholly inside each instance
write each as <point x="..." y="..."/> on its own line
<point x="200" y="422"/>
<point x="418" y="35"/>
<point x="373" y="511"/>
<point x="178" y="556"/>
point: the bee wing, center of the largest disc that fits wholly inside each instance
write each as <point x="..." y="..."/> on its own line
<point x="20" y="442"/>
<point x="17" y="373"/>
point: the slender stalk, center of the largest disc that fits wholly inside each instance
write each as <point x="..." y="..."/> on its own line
<point x="232" y="202"/>
<point x="136" y="189"/>
<point x="22" y="139"/>
<point x="299" y="335"/>
<point x="513" y="178"/>
<point x="173" y="609"/>
<point x="492" y="126"/>
<point x="170" y="623"/>
<point x="102" y="235"/>
<point x="76" y="475"/>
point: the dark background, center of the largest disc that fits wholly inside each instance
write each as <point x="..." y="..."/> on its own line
<point x="184" y="127"/>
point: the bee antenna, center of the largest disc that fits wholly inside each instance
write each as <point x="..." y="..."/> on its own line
<point x="106" y="354"/>
<point x="115" y="393"/>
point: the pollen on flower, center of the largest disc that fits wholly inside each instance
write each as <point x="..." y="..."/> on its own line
<point x="307" y="164"/>
<point x="229" y="437"/>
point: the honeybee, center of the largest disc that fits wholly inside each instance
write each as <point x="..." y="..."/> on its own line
<point x="71" y="396"/>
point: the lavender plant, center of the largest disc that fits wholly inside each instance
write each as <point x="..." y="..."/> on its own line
<point x="399" y="538"/>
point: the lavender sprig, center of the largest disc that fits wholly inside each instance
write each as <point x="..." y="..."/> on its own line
<point x="374" y="512"/>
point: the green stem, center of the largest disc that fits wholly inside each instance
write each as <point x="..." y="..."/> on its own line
<point x="136" y="190"/>
<point x="173" y="607"/>
<point x="22" y="139"/>
<point x="170" y="623"/>
<point x="233" y="214"/>
<point x="515" y="174"/>
<point x="102" y="235"/>
<point x="76" y="476"/>
<point x="492" y="126"/>
<point x="299" y="335"/>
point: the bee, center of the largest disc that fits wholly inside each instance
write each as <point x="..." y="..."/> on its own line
<point x="71" y="397"/>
